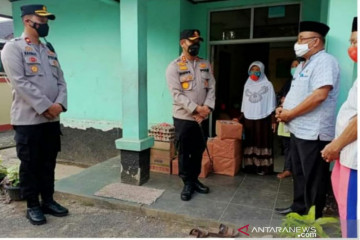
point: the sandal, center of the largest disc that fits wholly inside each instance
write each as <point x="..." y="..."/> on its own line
<point x="224" y="232"/>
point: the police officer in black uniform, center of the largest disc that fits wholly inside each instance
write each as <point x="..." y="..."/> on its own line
<point x="192" y="86"/>
<point x="39" y="97"/>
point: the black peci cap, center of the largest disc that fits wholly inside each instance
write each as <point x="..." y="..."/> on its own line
<point x="354" y="25"/>
<point x="310" y="26"/>
<point x="191" y="34"/>
<point x="36" y="9"/>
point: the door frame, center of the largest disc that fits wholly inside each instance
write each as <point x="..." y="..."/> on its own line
<point x="212" y="44"/>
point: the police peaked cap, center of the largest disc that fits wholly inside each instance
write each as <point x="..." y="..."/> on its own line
<point x="36" y="9"/>
<point x="354" y="25"/>
<point x="191" y="34"/>
<point x="310" y="26"/>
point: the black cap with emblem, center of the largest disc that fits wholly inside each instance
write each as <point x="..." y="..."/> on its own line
<point x="191" y="34"/>
<point x="36" y="9"/>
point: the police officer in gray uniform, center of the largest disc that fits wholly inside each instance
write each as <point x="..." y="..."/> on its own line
<point x="192" y="86"/>
<point x="39" y="96"/>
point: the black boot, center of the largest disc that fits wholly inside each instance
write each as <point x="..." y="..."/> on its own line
<point x="35" y="215"/>
<point x="199" y="187"/>
<point x="55" y="209"/>
<point x="187" y="191"/>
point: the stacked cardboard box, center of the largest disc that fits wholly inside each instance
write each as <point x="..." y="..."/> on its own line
<point x="161" y="155"/>
<point x="205" y="167"/>
<point x="225" y="149"/>
<point x="163" y="151"/>
<point x="227" y="129"/>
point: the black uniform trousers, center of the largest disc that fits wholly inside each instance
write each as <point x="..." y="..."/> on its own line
<point x="190" y="142"/>
<point x="37" y="147"/>
<point x="311" y="175"/>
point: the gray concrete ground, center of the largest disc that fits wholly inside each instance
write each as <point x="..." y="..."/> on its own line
<point x="8" y="155"/>
<point x="235" y="201"/>
<point x="7" y="139"/>
<point x="86" y="221"/>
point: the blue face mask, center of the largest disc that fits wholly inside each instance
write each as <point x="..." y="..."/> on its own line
<point x="292" y="71"/>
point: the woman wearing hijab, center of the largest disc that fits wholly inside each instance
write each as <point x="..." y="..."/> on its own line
<point x="258" y="104"/>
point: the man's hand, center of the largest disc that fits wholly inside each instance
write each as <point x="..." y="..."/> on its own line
<point x="203" y="111"/>
<point x="48" y="115"/>
<point x="284" y="116"/>
<point x="53" y="111"/>
<point x="198" y="118"/>
<point x="331" y="152"/>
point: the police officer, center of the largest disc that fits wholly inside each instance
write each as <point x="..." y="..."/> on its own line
<point x="192" y="87"/>
<point x="39" y="96"/>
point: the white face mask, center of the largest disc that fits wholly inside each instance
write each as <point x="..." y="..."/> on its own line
<point x="302" y="49"/>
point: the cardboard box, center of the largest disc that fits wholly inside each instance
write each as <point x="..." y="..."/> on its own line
<point x="227" y="129"/>
<point x="160" y="169"/>
<point x="166" y="146"/>
<point x="175" y="166"/>
<point x="226" y="166"/>
<point x="210" y="145"/>
<point x="160" y="161"/>
<point x="226" y="148"/>
<point x="205" y="167"/>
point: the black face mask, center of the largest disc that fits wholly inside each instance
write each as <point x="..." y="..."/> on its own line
<point x="41" y="28"/>
<point x="194" y="49"/>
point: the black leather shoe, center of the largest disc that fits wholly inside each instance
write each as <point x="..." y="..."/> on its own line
<point x="55" y="209"/>
<point x="186" y="193"/>
<point x="35" y="216"/>
<point x="284" y="211"/>
<point x="200" y="188"/>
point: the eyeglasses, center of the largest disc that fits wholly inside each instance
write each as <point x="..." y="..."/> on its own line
<point x="301" y="39"/>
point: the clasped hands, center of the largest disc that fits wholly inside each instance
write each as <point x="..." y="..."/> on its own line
<point x="201" y="112"/>
<point x="53" y="111"/>
<point x="283" y="115"/>
<point x="331" y="151"/>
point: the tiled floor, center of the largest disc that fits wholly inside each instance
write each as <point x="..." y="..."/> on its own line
<point x="240" y="200"/>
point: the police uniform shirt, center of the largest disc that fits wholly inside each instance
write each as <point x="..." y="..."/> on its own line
<point x="36" y="78"/>
<point x="191" y="83"/>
